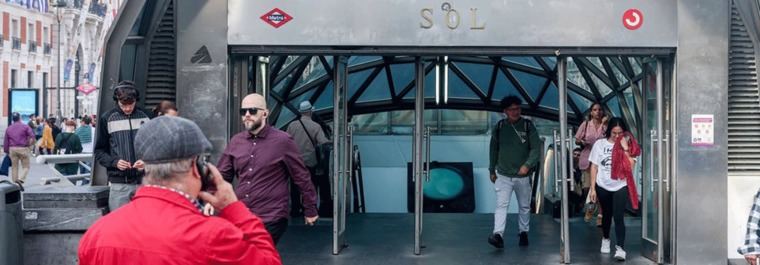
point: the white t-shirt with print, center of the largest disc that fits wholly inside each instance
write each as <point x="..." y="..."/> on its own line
<point x="601" y="155"/>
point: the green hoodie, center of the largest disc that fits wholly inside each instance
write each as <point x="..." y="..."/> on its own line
<point x="514" y="150"/>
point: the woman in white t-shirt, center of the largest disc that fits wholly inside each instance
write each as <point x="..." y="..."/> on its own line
<point x="611" y="193"/>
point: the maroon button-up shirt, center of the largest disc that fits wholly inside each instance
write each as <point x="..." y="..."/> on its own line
<point x="263" y="163"/>
<point x="17" y="135"/>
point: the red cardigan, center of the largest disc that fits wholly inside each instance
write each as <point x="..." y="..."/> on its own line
<point x="622" y="169"/>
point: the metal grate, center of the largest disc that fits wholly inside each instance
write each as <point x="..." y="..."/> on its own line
<point x="161" y="79"/>
<point x="743" y="101"/>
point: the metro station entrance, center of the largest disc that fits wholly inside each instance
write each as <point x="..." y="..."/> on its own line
<point x="630" y="84"/>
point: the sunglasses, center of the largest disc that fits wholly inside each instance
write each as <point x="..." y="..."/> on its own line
<point x="252" y="111"/>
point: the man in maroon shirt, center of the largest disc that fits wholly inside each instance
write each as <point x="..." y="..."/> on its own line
<point x="262" y="157"/>
<point x="18" y="138"/>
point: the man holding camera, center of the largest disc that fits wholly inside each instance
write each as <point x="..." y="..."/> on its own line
<point x="163" y="224"/>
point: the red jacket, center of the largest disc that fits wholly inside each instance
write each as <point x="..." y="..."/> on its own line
<point x="162" y="227"/>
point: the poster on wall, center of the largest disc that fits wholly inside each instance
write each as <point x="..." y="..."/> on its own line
<point x="23" y="101"/>
<point x="702" y="129"/>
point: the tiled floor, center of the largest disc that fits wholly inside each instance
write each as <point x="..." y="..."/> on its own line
<point x="449" y="239"/>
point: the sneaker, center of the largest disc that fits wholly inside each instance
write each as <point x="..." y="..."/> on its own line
<point x="523" y="239"/>
<point x="605" y="246"/>
<point x="619" y="253"/>
<point x="496" y="241"/>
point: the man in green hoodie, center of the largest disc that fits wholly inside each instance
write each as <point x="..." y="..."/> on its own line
<point x="515" y="148"/>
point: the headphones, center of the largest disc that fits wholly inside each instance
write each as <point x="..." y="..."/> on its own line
<point x="200" y="165"/>
<point x="125" y="85"/>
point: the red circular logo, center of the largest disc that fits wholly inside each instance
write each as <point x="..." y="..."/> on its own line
<point x="633" y="19"/>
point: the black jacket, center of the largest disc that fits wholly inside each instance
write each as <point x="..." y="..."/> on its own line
<point x="115" y="140"/>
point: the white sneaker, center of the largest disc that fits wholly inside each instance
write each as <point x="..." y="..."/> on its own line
<point x="605" y="246"/>
<point x="619" y="253"/>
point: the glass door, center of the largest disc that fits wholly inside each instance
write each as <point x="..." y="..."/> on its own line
<point x="657" y="158"/>
<point x="340" y="156"/>
<point x="420" y="151"/>
<point x="563" y="151"/>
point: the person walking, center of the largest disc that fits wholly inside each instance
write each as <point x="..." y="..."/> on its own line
<point x="18" y="138"/>
<point x="590" y="130"/>
<point x="612" y="184"/>
<point x="514" y="152"/>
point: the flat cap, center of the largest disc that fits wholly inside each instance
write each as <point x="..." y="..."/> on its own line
<point x="169" y="138"/>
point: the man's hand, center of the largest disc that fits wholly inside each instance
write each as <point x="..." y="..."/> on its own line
<point x="224" y="194"/>
<point x="140" y="165"/>
<point x="493" y="178"/>
<point x="523" y="171"/>
<point x="751" y="258"/>
<point x="311" y="220"/>
<point x="123" y="165"/>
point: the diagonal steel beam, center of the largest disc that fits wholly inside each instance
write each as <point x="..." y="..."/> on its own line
<point x="467" y="81"/>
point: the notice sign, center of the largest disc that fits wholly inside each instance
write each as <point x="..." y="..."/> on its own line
<point x="702" y="129"/>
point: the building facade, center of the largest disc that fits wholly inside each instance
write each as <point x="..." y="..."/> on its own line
<point x="34" y="58"/>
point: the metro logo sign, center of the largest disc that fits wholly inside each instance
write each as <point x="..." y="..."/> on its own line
<point x="633" y="19"/>
<point x="276" y="18"/>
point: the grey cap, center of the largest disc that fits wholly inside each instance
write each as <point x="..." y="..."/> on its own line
<point x="305" y="106"/>
<point x="169" y="138"/>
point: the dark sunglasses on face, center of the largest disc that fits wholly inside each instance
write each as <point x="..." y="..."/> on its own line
<point x="252" y="111"/>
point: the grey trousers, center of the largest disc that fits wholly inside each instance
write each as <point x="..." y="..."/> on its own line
<point x="120" y="194"/>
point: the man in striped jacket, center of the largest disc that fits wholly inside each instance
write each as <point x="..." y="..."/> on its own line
<point x="114" y="146"/>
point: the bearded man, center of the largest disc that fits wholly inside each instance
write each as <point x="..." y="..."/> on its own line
<point x="264" y="158"/>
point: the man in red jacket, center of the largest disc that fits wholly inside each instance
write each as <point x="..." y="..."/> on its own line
<point x="163" y="223"/>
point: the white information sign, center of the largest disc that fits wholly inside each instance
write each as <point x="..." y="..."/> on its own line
<point x="702" y="129"/>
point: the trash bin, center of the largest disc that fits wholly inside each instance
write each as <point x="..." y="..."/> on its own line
<point x="11" y="224"/>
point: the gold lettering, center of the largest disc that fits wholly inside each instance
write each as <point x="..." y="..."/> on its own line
<point x="427" y="15"/>
<point x="452" y="18"/>
<point x="474" y="15"/>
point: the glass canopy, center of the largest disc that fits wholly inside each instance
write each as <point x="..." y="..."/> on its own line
<point x="386" y="83"/>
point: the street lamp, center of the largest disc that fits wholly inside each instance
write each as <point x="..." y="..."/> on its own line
<point x="58" y="4"/>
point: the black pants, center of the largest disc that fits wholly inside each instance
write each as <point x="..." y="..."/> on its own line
<point x="321" y="184"/>
<point x="277" y="228"/>
<point x="613" y="202"/>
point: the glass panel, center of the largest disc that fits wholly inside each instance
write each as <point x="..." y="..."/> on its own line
<point x="355" y="80"/>
<point x="285" y="117"/>
<point x="551" y="61"/>
<point x="524" y="60"/>
<point x="464" y="121"/>
<point x="532" y="83"/>
<point x="601" y="86"/>
<point x="636" y="65"/>
<point x="480" y="74"/>
<point x="551" y="98"/>
<point x="503" y="87"/>
<point x="374" y="123"/>
<point x="650" y="215"/>
<point x="325" y="100"/>
<point x="458" y="88"/>
<point x="403" y="75"/>
<point x="402" y="121"/>
<point x="297" y="101"/>
<point x="574" y="75"/>
<point x="622" y="79"/>
<point x="377" y="90"/>
<point x="356" y="60"/>
<point x="614" y="106"/>
<point x="580" y="101"/>
<point x="313" y="71"/>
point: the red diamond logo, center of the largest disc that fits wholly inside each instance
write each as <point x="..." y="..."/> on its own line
<point x="276" y="18"/>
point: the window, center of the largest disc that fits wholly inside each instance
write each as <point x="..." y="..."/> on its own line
<point x="30" y="79"/>
<point x="44" y="80"/>
<point x="45" y="35"/>
<point x="30" y="30"/>
<point x="13" y="78"/>
<point x="14" y="28"/>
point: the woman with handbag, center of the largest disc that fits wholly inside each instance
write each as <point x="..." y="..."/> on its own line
<point x="591" y="130"/>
